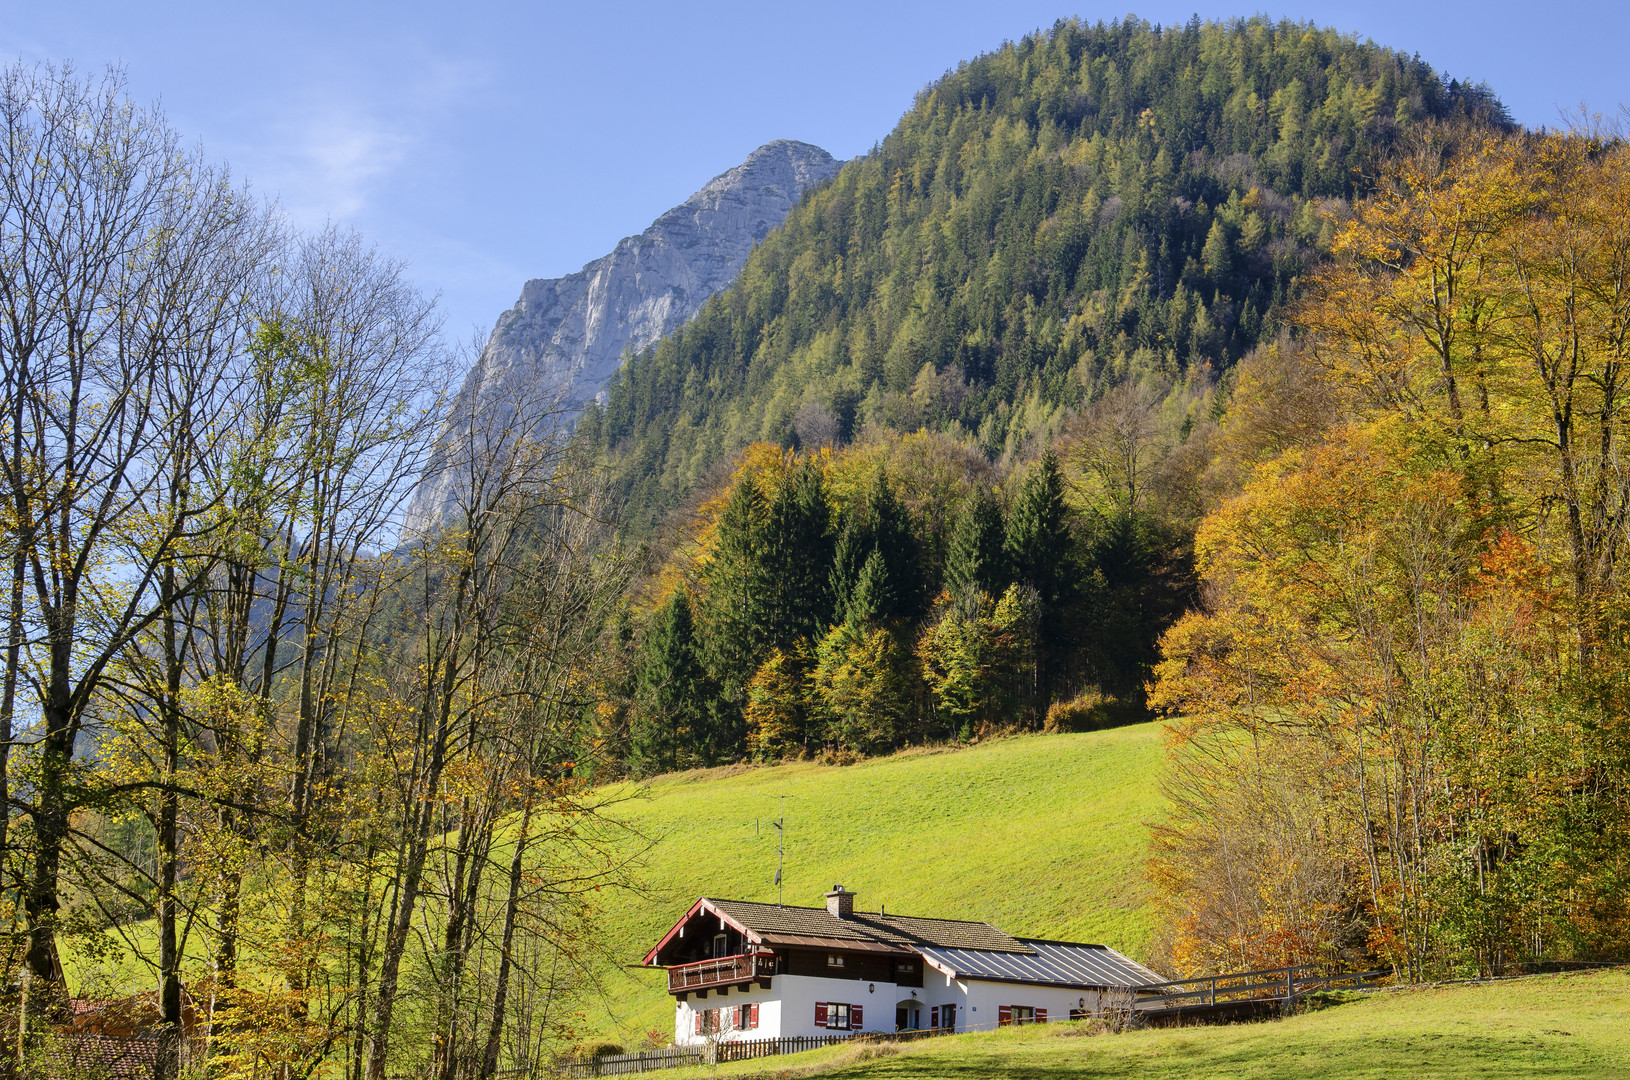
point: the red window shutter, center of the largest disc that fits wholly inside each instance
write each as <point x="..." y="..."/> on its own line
<point x="698" y="1021"/>
<point x="752" y="1017"/>
<point x="1004" y="1015"/>
<point x="820" y="1014"/>
<point x="854" y="1017"/>
<point x="1041" y="1016"/>
<point x="934" y="1017"/>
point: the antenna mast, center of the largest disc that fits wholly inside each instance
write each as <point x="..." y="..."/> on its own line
<point x="780" y="847"/>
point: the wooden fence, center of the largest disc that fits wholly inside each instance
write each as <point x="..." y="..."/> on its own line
<point x="1284" y="984"/>
<point x="646" y="1061"/>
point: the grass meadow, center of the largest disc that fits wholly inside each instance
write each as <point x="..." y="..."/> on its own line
<point x="1561" y="1027"/>
<point x="1043" y="836"/>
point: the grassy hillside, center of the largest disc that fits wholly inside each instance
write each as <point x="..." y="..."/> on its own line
<point x="1551" y="1026"/>
<point x="1042" y="836"/>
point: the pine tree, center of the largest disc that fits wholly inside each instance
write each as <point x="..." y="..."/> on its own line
<point x="882" y="525"/>
<point x="735" y="611"/>
<point x="1040" y="551"/>
<point x="875" y="598"/>
<point x="889" y="527"/>
<point x="975" y="559"/>
<point x="673" y="706"/>
<point x="1038" y="543"/>
<point x="1217" y="257"/>
<point x="854" y="546"/>
<point x="793" y="556"/>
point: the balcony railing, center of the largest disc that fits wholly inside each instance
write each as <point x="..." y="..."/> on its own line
<point x="721" y="971"/>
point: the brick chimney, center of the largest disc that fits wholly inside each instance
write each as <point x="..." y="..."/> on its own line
<point x="840" y="903"/>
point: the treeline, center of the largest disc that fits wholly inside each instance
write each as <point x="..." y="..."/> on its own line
<point x="1092" y="204"/>
<point x="898" y="591"/>
<point x="314" y="781"/>
<point x="1402" y="705"/>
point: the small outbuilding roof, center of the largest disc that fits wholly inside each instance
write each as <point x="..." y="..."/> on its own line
<point x="1047" y="963"/>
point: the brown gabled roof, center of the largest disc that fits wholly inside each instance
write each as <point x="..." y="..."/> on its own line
<point x="80" y="1056"/>
<point x="775" y="925"/>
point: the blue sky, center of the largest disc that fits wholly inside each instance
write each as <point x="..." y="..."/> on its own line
<point x="487" y="143"/>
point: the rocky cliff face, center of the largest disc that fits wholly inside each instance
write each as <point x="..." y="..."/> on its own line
<point x="566" y="336"/>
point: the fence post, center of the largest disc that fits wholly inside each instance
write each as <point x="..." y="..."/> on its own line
<point x="1290" y="987"/>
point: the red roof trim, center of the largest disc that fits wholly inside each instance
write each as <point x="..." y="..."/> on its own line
<point x="702" y="904"/>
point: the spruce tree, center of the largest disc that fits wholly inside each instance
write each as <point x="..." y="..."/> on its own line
<point x="1038" y="544"/>
<point x="854" y="546"/>
<point x="894" y="536"/>
<point x="1039" y="551"/>
<point x="794" y="556"/>
<point x="736" y="610"/>
<point x="673" y="702"/>
<point x="975" y="559"/>
<point x="875" y="598"/>
<point x="1217" y="257"/>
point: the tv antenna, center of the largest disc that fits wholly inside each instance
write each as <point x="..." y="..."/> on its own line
<point x="780" y="826"/>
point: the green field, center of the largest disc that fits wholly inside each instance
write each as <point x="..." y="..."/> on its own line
<point x="1043" y="836"/>
<point x="1555" y="1026"/>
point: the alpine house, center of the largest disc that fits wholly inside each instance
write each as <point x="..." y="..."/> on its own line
<point x="741" y="970"/>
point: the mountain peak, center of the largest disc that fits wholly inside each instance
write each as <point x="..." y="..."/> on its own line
<point x="566" y="336"/>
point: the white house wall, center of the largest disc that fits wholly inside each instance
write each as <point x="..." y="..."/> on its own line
<point x="979" y="1002"/>
<point x="788" y="1007"/>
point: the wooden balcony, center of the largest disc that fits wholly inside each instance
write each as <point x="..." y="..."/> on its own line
<point x="721" y="971"/>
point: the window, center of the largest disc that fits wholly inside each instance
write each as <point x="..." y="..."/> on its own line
<point x="906" y="966"/>
<point x="947" y="1017"/>
<point x="720" y="945"/>
<point x="837" y="1016"/>
<point x="834" y="960"/>
<point x="1020" y="1014"/>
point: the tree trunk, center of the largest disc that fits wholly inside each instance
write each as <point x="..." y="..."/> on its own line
<point x="500" y="998"/>
<point x="169" y="855"/>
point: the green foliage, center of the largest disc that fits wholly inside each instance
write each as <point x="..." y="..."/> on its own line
<point x="736" y="610"/>
<point x="1038" y="544"/>
<point x="672" y="721"/>
<point x="975" y="559"/>
<point x="1041" y="551"/>
<point x="880" y="529"/>
<point x="1078" y="205"/>
<point x="866" y="687"/>
<point x="795" y="549"/>
<point x="979" y="658"/>
<point x="1141" y="580"/>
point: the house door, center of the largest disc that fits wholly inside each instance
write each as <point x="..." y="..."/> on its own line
<point x="908" y="1015"/>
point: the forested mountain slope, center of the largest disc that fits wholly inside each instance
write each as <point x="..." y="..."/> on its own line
<point x="1084" y="205"/>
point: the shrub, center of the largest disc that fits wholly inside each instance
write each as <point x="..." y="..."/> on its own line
<point x="600" y="1049"/>
<point x="1090" y="711"/>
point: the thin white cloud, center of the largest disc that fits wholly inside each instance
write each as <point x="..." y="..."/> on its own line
<point x="330" y="151"/>
<point x="328" y="162"/>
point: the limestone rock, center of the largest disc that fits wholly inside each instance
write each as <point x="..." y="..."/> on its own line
<point x="566" y="336"/>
